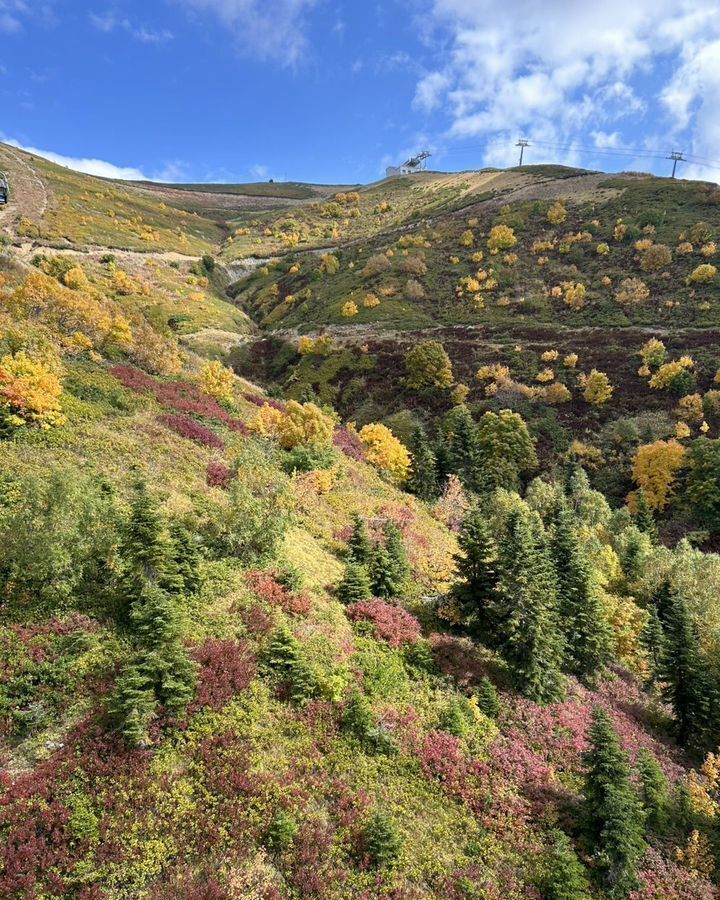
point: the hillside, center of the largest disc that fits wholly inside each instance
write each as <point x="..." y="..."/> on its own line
<point x="251" y="645"/>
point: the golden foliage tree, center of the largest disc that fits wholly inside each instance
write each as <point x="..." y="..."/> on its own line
<point x="428" y="366"/>
<point x="654" y="469"/>
<point x="384" y="451"/>
<point x="596" y="387"/>
<point x="502" y="237"/>
<point x="30" y="391"/>
<point x="217" y="381"/>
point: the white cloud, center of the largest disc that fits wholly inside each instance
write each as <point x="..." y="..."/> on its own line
<point x="174" y="171"/>
<point x="107" y="22"/>
<point x="259" y="172"/>
<point x="565" y="69"/>
<point x="268" y="29"/>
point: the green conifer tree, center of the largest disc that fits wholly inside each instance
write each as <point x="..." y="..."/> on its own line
<point x="476" y="571"/>
<point x="359" y="544"/>
<point x="613" y="813"/>
<point x="398" y="556"/>
<point x="644" y="518"/>
<point x="423" y="478"/>
<point x="133" y="704"/>
<point x="382" y="840"/>
<point x="285" y="659"/>
<point x="565" y="877"/>
<point x="185" y="557"/>
<point x="653" y="640"/>
<point x="685" y="674"/>
<point x="530" y="641"/>
<point x="382" y="576"/>
<point x="358" y="716"/>
<point x="488" y="700"/>
<point x="588" y="638"/>
<point x="355" y="585"/>
<point x="463" y="448"/>
<point x="654" y="792"/>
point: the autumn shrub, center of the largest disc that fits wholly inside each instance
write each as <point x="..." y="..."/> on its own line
<point x="557" y="213"/>
<point x="428" y="366"/>
<point x="30" y="391"/>
<point x="226" y="668"/>
<point x="632" y="291"/>
<point x="192" y="430"/>
<point x="154" y="352"/>
<point x="349" y="309"/>
<point x="653" y="352"/>
<point x="655" y="258"/>
<point x="349" y="443"/>
<point x="502" y="237"/>
<point x="392" y="624"/>
<point x="703" y="274"/>
<point x="413" y="265"/>
<point x="413" y="290"/>
<point x="596" y="387"/>
<point x="376" y="265"/>
<point x="218" y="475"/>
<point x="217" y="381"/>
<point x="676" y="377"/>
<point x="268" y="588"/>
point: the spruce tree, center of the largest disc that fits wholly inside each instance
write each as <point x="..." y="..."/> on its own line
<point x="355" y="585"/>
<point x="146" y="554"/>
<point x="654" y="792"/>
<point x="685" y="675"/>
<point x="186" y="557"/>
<point x="565" y="876"/>
<point x="382" y="576"/>
<point x="614" y="817"/>
<point x="530" y="639"/>
<point x="382" y="840"/>
<point x="476" y="570"/>
<point x="359" y="544"/>
<point x="285" y="659"/>
<point x="423" y="478"/>
<point x="653" y="640"/>
<point x="488" y="700"/>
<point x="358" y="716"/>
<point x="398" y="556"/>
<point x="588" y="638"/>
<point x="662" y="600"/>
<point x="133" y="703"/>
<point x="644" y="518"/>
<point x="463" y="449"/>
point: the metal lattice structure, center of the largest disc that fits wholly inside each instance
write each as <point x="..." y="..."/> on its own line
<point x="411" y="166"/>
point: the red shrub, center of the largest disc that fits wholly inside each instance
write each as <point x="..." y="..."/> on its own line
<point x="192" y="430"/>
<point x="261" y="401"/>
<point x="227" y="667"/>
<point x="256" y="620"/>
<point x="392" y="623"/>
<point x="181" y="396"/>
<point x="349" y="443"/>
<point x="266" y="587"/>
<point x="218" y="475"/>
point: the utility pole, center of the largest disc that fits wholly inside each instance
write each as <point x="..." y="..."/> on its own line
<point x="522" y="144"/>
<point x="676" y="156"/>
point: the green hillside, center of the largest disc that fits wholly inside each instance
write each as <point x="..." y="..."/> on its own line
<point x="331" y="567"/>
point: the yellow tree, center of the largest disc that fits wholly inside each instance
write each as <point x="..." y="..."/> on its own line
<point x="384" y="451"/>
<point x="596" y="387"/>
<point x="30" y="392"/>
<point x="217" y="381"/>
<point x="655" y="467"/>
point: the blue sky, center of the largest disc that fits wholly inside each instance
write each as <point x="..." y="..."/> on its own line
<point x="241" y="90"/>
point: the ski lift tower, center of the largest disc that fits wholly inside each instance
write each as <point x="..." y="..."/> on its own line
<point x="411" y="166"/>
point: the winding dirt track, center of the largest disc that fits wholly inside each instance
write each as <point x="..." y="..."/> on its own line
<point x="28" y="194"/>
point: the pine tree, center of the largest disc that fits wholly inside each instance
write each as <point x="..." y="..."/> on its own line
<point x="565" y="876"/>
<point x="488" y="700"/>
<point x="476" y="569"/>
<point x="398" y="556"/>
<point x="146" y="554"/>
<point x="685" y="675"/>
<point x="613" y="813"/>
<point x="530" y="642"/>
<point x="654" y="792"/>
<point x="653" y="639"/>
<point x="644" y="518"/>
<point x="359" y="543"/>
<point x="382" y="840"/>
<point x="382" y="577"/>
<point x="355" y="585"/>
<point x="662" y="601"/>
<point x="423" y="478"/>
<point x="358" y="716"/>
<point x="282" y="831"/>
<point x="588" y="638"/>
